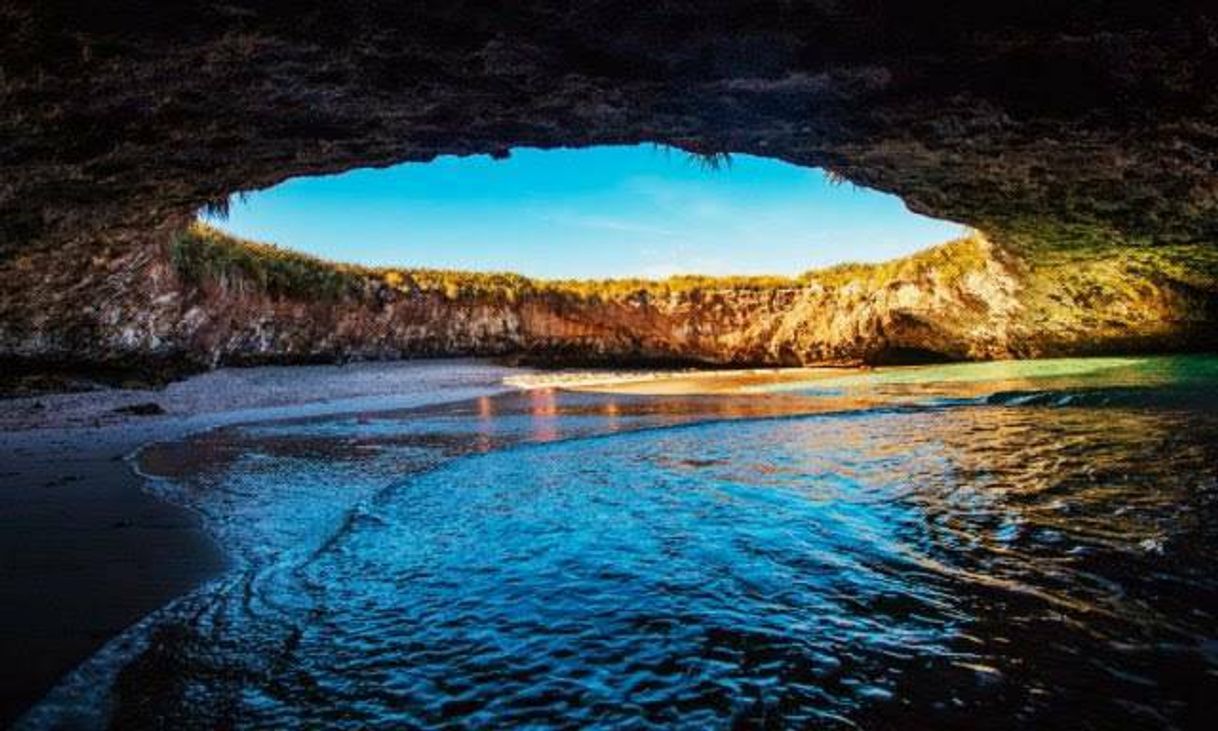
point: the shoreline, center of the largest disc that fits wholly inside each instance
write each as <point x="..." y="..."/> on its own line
<point x="676" y="383"/>
<point x="88" y="551"/>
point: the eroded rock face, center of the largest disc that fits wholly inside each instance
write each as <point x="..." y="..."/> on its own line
<point x="1080" y="126"/>
<point x="140" y="308"/>
<point x="1065" y="121"/>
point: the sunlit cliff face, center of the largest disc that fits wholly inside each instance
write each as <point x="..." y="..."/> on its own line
<point x="203" y="299"/>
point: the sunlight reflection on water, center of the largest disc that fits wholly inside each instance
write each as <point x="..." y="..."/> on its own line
<point x="946" y="552"/>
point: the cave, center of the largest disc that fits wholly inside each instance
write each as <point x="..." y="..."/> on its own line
<point x="1055" y="131"/>
<point x="1022" y="545"/>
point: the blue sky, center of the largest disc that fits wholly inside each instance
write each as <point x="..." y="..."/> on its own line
<point x="595" y="212"/>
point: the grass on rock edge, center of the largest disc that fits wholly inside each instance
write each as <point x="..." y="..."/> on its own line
<point x="204" y="253"/>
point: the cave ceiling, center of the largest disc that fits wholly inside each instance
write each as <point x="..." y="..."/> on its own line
<point x="1067" y="121"/>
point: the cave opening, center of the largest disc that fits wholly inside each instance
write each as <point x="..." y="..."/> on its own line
<point x="1089" y="168"/>
<point x="601" y="212"/>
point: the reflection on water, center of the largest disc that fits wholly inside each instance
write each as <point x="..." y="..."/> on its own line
<point x="1028" y="549"/>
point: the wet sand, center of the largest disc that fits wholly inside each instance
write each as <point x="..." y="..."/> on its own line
<point x="85" y="552"/>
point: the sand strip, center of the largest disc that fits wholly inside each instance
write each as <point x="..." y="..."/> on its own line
<point x="671" y="383"/>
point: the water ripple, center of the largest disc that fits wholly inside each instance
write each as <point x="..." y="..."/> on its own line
<point x="1009" y="564"/>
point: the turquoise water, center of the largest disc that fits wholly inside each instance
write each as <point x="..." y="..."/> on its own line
<point x="1174" y="375"/>
<point x="999" y="545"/>
<point x="1141" y="370"/>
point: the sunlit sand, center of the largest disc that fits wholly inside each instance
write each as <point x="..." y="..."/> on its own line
<point x="672" y="383"/>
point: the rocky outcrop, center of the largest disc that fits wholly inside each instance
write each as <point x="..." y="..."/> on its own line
<point x="1053" y="127"/>
<point x="1068" y="120"/>
<point x="965" y="300"/>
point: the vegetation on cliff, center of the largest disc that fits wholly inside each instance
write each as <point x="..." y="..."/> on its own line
<point x="1022" y="298"/>
<point x="203" y="253"/>
<point x="943" y="264"/>
<point x="207" y="298"/>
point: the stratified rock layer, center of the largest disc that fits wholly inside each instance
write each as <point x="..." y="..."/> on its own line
<point x="226" y="303"/>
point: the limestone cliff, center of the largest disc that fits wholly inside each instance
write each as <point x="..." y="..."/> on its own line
<point x="202" y="299"/>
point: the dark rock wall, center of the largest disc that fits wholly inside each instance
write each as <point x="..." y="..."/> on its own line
<point x="1053" y="126"/>
<point x="1064" y="119"/>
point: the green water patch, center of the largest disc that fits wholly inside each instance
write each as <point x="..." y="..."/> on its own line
<point x="1076" y="372"/>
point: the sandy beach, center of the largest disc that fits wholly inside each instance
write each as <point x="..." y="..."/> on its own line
<point x="86" y="552"/>
<point x="670" y="383"/>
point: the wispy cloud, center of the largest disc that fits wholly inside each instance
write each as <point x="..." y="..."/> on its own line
<point x="594" y="212"/>
<point x="677" y="195"/>
<point x="608" y="223"/>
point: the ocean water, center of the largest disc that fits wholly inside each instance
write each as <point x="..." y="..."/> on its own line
<point x="1022" y="545"/>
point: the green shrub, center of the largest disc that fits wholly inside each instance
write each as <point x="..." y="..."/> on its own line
<point x="945" y="264"/>
<point x="203" y="253"/>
